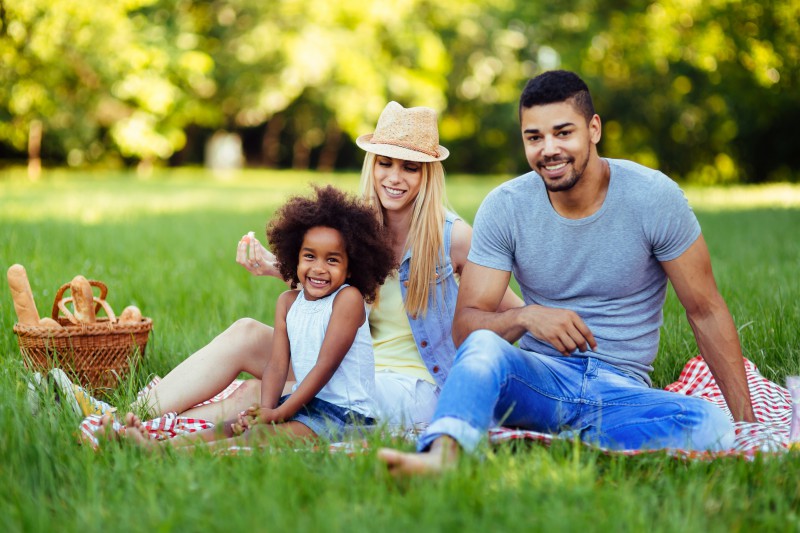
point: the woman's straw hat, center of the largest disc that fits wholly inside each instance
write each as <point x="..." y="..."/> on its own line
<point x="410" y="134"/>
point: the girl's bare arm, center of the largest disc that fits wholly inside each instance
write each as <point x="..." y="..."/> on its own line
<point x="348" y="315"/>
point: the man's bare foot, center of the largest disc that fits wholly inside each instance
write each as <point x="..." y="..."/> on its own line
<point x="442" y="456"/>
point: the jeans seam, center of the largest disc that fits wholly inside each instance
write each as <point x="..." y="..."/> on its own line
<point x="679" y="418"/>
<point x="541" y="392"/>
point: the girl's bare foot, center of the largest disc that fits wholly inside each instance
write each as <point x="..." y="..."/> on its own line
<point x="442" y="456"/>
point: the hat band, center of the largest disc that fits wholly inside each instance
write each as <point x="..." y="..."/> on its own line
<point x="410" y="146"/>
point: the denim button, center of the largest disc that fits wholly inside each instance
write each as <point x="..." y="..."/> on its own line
<point x="436" y="369"/>
<point x="423" y="344"/>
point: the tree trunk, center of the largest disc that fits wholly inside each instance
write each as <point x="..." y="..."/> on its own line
<point x="271" y="142"/>
<point x="34" y="150"/>
<point x="301" y="154"/>
<point x="330" y="150"/>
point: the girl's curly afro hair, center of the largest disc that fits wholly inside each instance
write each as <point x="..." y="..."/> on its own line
<point x="368" y="247"/>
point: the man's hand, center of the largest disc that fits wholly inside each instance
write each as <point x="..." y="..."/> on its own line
<point x="480" y="297"/>
<point x="561" y="328"/>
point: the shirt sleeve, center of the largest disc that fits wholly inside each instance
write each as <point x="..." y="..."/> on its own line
<point x="492" y="239"/>
<point x="670" y="222"/>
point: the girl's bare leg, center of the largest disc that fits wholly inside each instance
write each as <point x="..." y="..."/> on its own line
<point x="136" y="435"/>
<point x="243" y="347"/>
<point x="292" y="429"/>
<point x="262" y="433"/>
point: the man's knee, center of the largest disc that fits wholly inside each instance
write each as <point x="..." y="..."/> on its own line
<point x="481" y="341"/>
<point x="483" y="350"/>
<point x="711" y="429"/>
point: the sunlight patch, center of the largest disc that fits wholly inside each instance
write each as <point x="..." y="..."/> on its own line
<point x="780" y="195"/>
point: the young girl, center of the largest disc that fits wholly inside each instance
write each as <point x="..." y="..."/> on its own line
<point x="321" y="328"/>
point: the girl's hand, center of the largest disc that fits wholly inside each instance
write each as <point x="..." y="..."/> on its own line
<point x="252" y="255"/>
<point x="246" y="419"/>
<point x="237" y="429"/>
<point x="270" y="416"/>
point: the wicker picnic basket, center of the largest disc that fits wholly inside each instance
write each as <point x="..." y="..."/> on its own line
<point x="95" y="355"/>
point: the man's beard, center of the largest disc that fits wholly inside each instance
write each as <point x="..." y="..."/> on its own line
<point x="569" y="181"/>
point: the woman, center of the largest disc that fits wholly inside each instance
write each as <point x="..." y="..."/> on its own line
<point x="403" y="178"/>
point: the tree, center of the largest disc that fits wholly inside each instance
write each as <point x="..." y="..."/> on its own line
<point x="706" y="91"/>
<point x="96" y="76"/>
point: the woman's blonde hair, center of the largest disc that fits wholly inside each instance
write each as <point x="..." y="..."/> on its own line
<point x="426" y="234"/>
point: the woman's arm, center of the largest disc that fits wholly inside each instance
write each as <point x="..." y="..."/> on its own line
<point x="460" y="241"/>
<point x="347" y="316"/>
<point x="259" y="261"/>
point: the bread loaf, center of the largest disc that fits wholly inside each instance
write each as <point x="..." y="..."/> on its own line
<point x="48" y="322"/>
<point x="131" y="314"/>
<point x="22" y="295"/>
<point x="82" y="300"/>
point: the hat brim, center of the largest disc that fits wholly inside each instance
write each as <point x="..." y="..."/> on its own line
<point x="398" y="152"/>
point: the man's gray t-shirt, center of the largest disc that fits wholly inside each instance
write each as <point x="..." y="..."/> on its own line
<point x="605" y="267"/>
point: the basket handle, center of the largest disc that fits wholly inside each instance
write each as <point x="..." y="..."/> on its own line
<point x="112" y="318"/>
<point x="62" y="306"/>
<point x="95" y="283"/>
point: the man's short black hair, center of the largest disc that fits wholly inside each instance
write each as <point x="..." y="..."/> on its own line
<point x="557" y="86"/>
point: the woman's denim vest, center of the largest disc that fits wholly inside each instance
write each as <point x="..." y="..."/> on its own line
<point x="433" y="331"/>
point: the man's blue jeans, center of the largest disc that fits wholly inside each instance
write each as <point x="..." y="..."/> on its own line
<point x="495" y="383"/>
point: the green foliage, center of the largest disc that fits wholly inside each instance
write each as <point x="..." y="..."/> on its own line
<point x="167" y="244"/>
<point x="707" y="91"/>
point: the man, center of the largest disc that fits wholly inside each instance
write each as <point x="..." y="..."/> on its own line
<point x="592" y="243"/>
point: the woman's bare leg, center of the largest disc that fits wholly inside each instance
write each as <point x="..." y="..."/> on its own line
<point x="247" y="394"/>
<point x="243" y="347"/>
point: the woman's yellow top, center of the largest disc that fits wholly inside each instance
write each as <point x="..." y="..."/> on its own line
<point x="392" y="340"/>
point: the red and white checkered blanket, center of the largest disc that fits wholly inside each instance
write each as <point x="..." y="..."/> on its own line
<point x="771" y="403"/>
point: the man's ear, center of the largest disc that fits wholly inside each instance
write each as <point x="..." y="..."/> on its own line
<point x="595" y="129"/>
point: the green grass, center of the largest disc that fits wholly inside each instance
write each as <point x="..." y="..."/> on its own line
<point x="167" y="245"/>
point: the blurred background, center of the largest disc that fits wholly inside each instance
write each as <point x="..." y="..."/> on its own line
<point x="705" y="90"/>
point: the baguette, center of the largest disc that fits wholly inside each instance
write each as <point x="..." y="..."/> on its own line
<point x="131" y="314"/>
<point x="22" y="295"/>
<point x="82" y="300"/>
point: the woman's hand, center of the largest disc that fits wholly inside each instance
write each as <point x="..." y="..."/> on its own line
<point x="252" y="255"/>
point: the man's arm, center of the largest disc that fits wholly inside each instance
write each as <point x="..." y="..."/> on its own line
<point x="481" y="296"/>
<point x="712" y="324"/>
<point x="459" y="249"/>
